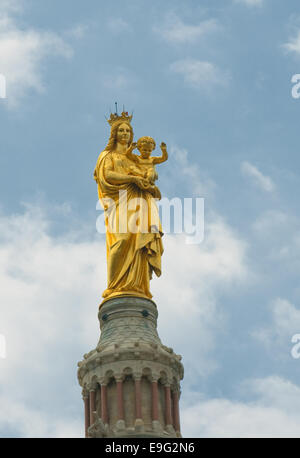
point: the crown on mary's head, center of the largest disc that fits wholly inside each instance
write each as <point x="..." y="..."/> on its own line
<point x="123" y="117"/>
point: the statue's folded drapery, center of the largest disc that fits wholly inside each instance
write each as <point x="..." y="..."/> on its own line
<point x="133" y="251"/>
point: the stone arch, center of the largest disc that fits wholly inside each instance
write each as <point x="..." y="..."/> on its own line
<point x="109" y="375"/>
<point x="163" y="377"/>
<point x="127" y="371"/>
<point x="94" y="383"/>
<point x="147" y="373"/>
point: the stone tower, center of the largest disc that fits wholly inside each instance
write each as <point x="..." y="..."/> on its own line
<point x="130" y="381"/>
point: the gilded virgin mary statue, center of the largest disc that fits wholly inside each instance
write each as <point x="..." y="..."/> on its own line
<point x="128" y="196"/>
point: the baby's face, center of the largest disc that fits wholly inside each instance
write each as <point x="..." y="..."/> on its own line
<point x="145" y="147"/>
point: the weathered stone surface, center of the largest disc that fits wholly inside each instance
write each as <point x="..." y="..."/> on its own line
<point x="130" y="349"/>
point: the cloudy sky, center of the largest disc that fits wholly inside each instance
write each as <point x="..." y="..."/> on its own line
<point x="211" y="78"/>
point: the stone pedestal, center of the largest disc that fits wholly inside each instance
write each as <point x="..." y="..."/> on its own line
<point x="131" y="381"/>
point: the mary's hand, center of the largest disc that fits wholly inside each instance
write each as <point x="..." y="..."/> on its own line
<point x="155" y="192"/>
<point x="142" y="183"/>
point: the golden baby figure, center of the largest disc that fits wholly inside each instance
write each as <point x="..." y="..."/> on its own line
<point x="147" y="163"/>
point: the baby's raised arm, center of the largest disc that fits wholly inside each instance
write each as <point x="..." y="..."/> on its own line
<point x="163" y="157"/>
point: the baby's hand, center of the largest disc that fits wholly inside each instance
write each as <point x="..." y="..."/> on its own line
<point x="163" y="147"/>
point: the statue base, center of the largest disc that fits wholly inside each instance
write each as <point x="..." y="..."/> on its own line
<point x="122" y="294"/>
<point x="131" y="381"/>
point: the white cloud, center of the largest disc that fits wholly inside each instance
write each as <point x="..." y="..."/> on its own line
<point x="274" y="391"/>
<point x="8" y="6"/>
<point x="250" y="2"/>
<point x="77" y="31"/>
<point x="200" y="74"/>
<point x="272" y="411"/>
<point x="121" y="78"/>
<point x="284" y="323"/>
<point x="174" y="30"/>
<point x="31" y="422"/>
<point x="118" y="25"/>
<point x="22" y="52"/>
<point x="183" y="170"/>
<point x="279" y="232"/>
<point x="51" y="287"/>
<point x="271" y="223"/>
<point x="262" y="181"/>
<point x="294" y="44"/>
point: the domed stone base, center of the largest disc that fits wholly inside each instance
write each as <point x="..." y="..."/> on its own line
<point x="131" y="381"/>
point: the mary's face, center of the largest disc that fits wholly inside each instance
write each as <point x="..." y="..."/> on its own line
<point x="123" y="134"/>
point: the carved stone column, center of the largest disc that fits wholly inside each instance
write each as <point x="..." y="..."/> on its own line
<point x="168" y="412"/>
<point x="155" y="418"/>
<point x="104" y="412"/>
<point x="176" y="412"/>
<point x="92" y="405"/>
<point x="86" y="401"/>
<point x="120" y="404"/>
<point x="139" y="423"/>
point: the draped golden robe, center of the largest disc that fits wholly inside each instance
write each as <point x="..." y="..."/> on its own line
<point x="132" y="255"/>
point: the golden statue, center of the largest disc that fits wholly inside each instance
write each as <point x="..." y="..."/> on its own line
<point x="126" y="189"/>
